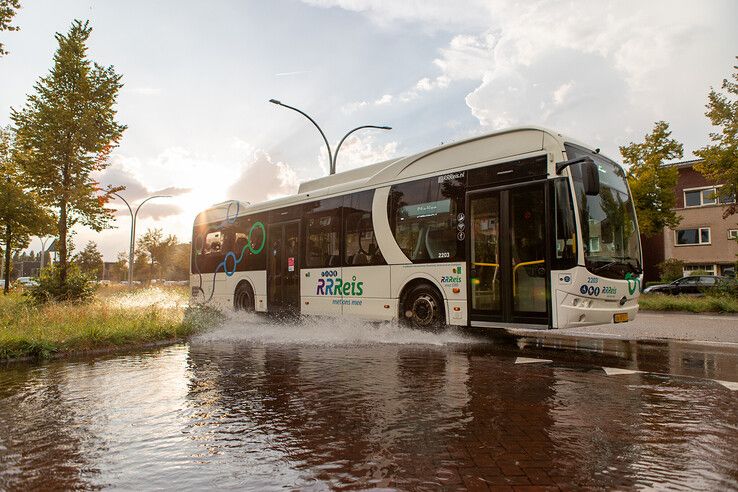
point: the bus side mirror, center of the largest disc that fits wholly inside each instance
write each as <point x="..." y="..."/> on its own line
<point x="590" y="178"/>
<point x="589" y="174"/>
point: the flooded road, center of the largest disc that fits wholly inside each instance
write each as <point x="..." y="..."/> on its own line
<point x="261" y="406"/>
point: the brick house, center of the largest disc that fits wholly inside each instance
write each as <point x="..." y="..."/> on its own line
<point x="703" y="240"/>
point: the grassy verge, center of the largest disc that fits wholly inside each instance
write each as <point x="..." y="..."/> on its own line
<point x="114" y="319"/>
<point x="706" y="304"/>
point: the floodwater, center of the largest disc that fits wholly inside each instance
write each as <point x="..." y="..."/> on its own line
<point x="336" y="404"/>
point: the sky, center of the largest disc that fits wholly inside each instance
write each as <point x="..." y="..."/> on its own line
<point x="198" y="77"/>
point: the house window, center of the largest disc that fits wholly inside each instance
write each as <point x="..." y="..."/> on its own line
<point x="705" y="196"/>
<point x="732" y="233"/>
<point x="594" y="244"/>
<point x="692" y="198"/>
<point x="686" y="237"/>
<point x="700" y="197"/>
<point x="709" y="269"/>
<point x="708" y="196"/>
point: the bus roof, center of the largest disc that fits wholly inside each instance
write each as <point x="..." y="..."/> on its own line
<point x="478" y="149"/>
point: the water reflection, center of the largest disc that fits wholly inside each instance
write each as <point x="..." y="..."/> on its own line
<point x="263" y="413"/>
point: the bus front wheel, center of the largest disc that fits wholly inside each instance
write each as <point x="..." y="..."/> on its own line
<point x="422" y="308"/>
<point x="243" y="299"/>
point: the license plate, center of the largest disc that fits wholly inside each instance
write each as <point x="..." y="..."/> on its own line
<point x="620" y="317"/>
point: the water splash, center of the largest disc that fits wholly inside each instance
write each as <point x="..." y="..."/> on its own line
<point x="149" y="297"/>
<point x="260" y="329"/>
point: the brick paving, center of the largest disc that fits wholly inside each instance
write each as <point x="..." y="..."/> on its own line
<point x="374" y="417"/>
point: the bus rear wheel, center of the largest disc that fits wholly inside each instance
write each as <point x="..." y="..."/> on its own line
<point x="243" y="299"/>
<point x="422" y="308"/>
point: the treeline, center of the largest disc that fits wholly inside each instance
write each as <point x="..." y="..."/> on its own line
<point x="157" y="257"/>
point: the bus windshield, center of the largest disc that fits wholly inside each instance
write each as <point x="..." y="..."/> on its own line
<point x="609" y="232"/>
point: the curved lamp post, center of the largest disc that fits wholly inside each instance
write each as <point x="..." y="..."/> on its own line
<point x="335" y="155"/>
<point x="331" y="156"/>
<point x="43" y="240"/>
<point x="132" y="246"/>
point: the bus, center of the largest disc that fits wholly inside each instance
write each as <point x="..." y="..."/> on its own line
<point x="516" y="228"/>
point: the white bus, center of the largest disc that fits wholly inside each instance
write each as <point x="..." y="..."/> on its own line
<point x="518" y="228"/>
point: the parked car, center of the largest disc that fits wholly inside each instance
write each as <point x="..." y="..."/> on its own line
<point x="26" y="281"/>
<point x="176" y="282"/>
<point x="693" y="284"/>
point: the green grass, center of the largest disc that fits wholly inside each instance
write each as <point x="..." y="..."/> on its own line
<point x="706" y="304"/>
<point x="115" y="318"/>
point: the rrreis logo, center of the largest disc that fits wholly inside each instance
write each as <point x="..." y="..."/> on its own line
<point x="330" y="285"/>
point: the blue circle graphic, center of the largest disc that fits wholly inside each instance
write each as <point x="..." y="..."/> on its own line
<point x="230" y="254"/>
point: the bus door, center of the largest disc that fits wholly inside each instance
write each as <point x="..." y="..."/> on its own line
<point x="283" y="282"/>
<point x="508" y="267"/>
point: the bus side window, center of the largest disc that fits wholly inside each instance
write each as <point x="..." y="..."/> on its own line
<point x="213" y="242"/>
<point x="208" y="249"/>
<point x="424" y="216"/>
<point x="322" y="227"/>
<point x="360" y="243"/>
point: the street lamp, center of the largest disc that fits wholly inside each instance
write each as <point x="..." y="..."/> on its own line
<point x="132" y="246"/>
<point x="43" y="240"/>
<point x="335" y="155"/>
<point x="331" y="156"/>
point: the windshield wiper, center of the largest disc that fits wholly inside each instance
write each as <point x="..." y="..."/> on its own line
<point x="618" y="260"/>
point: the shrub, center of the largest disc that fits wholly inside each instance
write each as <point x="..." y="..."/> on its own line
<point x="697" y="273"/>
<point x="671" y="270"/>
<point x="78" y="288"/>
<point x="727" y="287"/>
<point x="707" y="304"/>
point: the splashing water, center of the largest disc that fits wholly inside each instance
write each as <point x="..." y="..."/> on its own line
<point x="332" y="331"/>
<point x="150" y="297"/>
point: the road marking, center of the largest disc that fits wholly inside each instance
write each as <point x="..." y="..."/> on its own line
<point x="731" y="385"/>
<point x="615" y="371"/>
<point x="528" y="360"/>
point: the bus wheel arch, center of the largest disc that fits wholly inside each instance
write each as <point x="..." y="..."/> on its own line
<point x="421" y="305"/>
<point x="243" y="297"/>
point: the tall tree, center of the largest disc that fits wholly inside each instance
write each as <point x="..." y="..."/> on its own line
<point x="652" y="183"/>
<point x="720" y="162"/>
<point x="160" y="250"/>
<point x="21" y="215"/>
<point x="90" y="260"/>
<point x="8" y="8"/>
<point x="66" y="131"/>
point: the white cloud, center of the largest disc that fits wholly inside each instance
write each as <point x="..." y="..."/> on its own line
<point x="593" y="69"/>
<point x="263" y="179"/>
<point x="385" y="99"/>
<point x="423" y="85"/>
<point x="432" y="14"/>
<point x="143" y="91"/>
<point x="361" y="150"/>
<point x="560" y="94"/>
<point x="354" y="106"/>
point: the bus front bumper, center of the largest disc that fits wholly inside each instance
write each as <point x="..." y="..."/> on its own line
<point x="575" y="311"/>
